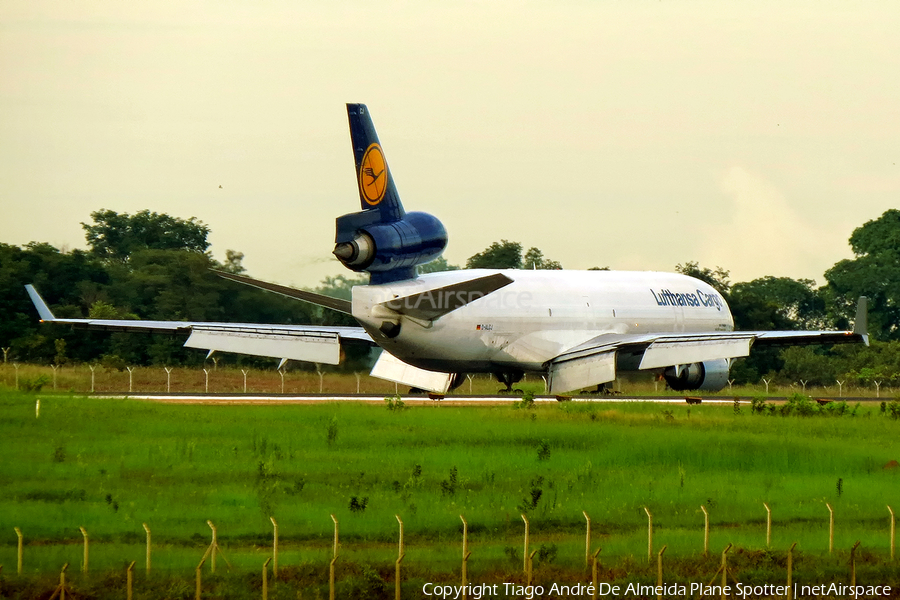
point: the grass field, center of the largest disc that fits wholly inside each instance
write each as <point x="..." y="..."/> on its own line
<point x="111" y="465"/>
<point x="77" y="378"/>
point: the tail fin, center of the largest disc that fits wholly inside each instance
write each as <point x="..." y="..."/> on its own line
<point x="376" y="186"/>
<point x="382" y="239"/>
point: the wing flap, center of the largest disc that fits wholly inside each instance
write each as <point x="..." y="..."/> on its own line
<point x="310" y="346"/>
<point x="668" y="351"/>
<point x="392" y="368"/>
<point x="583" y="372"/>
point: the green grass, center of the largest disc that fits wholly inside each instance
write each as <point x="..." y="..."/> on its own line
<point x="76" y="378"/>
<point x="111" y="465"/>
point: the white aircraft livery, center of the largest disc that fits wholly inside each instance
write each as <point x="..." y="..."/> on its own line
<point x="577" y="329"/>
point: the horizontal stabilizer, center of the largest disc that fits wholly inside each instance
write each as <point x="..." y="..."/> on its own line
<point x="310" y="346"/>
<point x="438" y="302"/>
<point x="337" y="304"/>
<point x="392" y="368"/>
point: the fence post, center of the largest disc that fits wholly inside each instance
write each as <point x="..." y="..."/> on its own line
<point x="790" y="571"/>
<point x="705" y="531"/>
<point x="725" y="570"/>
<point x="147" y="529"/>
<point x="274" y="548"/>
<point x="830" y="528"/>
<point x="244" y="371"/>
<point x="265" y="579"/>
<point x="659" y="580"/>
<point x="587" y="540"/>
<point x="130" y="378"/>
<point x="594" y="569"/>
<point x="54" y="367"/>
<point x="92" y="368"/>
<point x="649" y="534"/>
<point x="198" y="578"/>
<point x="768" y="525"/>
<point x="16" y="366"/>
<point x="321" y="377"/>
<point x="84" y="568"/>
<point x="893" y="521"/>
<point x="206" y="381"/>
<point x="530" y="571"/>
<point x="358" y="376"/>
<point x="213" y="547"/>
<point x="853" y="564"/>
<point x="62" y="583"/>
<point x="525" y="555"/>
<point x="465" y="557"/>
<point x="129" y="580"/>
<point x="400" y="555"/>
<point x="335" y="557"/>
<point x="19" y="552"/>
<point x="168" y="379"/>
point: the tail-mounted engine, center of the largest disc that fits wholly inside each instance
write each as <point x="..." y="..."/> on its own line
<point x="382" y="239"/>
<point x="388" y="251"/>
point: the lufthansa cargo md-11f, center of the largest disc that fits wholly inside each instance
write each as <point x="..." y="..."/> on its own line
<point x="575" y="328"/>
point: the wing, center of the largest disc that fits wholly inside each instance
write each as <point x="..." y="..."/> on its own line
<point x="595" y="361"/>
<point x="312" y="343"/>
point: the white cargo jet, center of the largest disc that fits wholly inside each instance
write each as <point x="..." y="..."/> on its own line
<point x="575" y="328"/>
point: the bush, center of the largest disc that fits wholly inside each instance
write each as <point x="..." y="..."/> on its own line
<point x="543" y="452"/>
<point x="800" y="405"/>
<point x="395" y="403"/>
<point x="527" y="400"/>
<point x="758" y="405"/>
<point x="34" y="384"/>
<point x="893" y="409"/>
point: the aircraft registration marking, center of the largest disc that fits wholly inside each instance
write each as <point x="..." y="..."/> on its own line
<point x="484" y="327"/>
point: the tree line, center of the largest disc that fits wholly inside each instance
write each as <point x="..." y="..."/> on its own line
<point x="155" y="266"/>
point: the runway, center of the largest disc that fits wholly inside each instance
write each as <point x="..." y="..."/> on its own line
<point x="244" y="399"/>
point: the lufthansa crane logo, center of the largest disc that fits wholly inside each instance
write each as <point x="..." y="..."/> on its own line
<point x="373" y="175"/>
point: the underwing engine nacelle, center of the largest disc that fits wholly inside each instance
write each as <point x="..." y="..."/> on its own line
<point x="711" y="375"/>
<point x="389" y="251"/>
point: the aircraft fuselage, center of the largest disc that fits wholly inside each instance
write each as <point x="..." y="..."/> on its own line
<point x="537" y="317"/>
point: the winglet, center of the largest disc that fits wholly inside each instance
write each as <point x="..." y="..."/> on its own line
<point x="39" y="304"/>
<point x="861" y="324"/>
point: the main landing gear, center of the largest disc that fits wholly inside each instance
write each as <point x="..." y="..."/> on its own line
<point x="508" y="378"/>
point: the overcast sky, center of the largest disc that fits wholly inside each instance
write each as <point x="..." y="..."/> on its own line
<point x="635" y="135"/>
